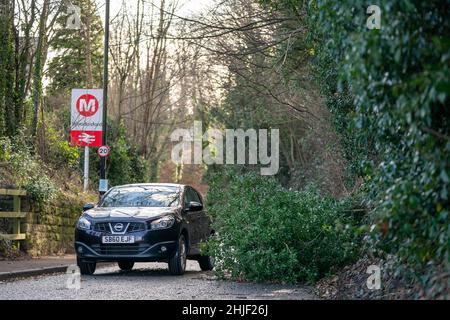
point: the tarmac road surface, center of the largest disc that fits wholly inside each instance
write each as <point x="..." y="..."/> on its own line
<point x="147" y="281"/>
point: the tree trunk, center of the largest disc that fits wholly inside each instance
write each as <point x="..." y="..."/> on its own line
<point x="23" y="64"/>
<point x="8" y="122"/>
<point x="39" y="66"/>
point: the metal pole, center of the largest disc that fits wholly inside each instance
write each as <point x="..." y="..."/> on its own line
<point x="86" y="169"/>
<point x="105" y="90"/>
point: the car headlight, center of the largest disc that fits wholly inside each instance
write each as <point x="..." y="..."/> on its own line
<point x="84" y="224"/>
<point x="163" y="223"/>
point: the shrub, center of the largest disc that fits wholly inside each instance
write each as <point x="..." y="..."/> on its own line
<point x="41" y="189"/>
<point x="27" y="170"/>
<point x="8" y="249"/>
<point x="5" y="149"/>
<point x="267" y="233"/>
<point x="59" y="152"/>
<point x="398" y="82"/>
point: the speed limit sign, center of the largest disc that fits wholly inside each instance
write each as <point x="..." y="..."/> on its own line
<point x="103" y="151"/>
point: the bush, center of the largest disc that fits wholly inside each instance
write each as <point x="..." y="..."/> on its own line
<point x="8" y="249"/>
<point x="59" y="152"/>
<point x="5" y="149"/>
<point x="267" y="233"/>
<point x="398" y="82"/>
<point x="41" y="189"/>
<point x="27" y="171"/>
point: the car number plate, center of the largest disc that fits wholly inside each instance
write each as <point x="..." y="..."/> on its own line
<point x="118" y="239"/>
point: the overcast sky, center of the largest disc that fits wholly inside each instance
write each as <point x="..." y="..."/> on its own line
<point x="185" y="7"/>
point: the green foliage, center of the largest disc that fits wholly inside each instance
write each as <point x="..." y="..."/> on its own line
<point x="8" y="248"/>
<point x="398" y="83"/>
<point x="388" y="90"/>
<point x="41" y="188"/>
<point x="8" y="121"/>
<point x="28" y="172"/>
<point x="5" y="150"/>
<point x="269" y="233"/>
<point x="59" y="152"/>
<point x="68" y="69"/>
<point x="124" y="164"/>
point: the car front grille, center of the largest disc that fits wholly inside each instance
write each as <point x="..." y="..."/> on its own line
<point x="120" y="249"/>
<point x="102" y="227"/>
<point x="136" y="227"/>
<point x="132" y="227"/>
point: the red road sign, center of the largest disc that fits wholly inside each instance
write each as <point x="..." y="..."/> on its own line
<point x="86" y="138"/>
<point x="86" y="117"/>
<point x="103" y="151"/>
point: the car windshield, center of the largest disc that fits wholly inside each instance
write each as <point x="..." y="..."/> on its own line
<point x="142" y="196"/>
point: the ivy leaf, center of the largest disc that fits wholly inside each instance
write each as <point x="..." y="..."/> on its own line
<point x="444" y="176"/>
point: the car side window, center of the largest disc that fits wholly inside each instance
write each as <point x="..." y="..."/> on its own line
<point x="194" y="196"/>
<point x="198" y="198"/>
<point x="187" y="197"/>
<point x="191" y="195"/>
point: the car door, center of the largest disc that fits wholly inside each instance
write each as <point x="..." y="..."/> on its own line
<point x="203" y="219"/>
<point x="192" y="218"/>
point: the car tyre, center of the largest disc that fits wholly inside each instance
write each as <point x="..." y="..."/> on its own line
<point x="177" y="264"/>
<point x="126" y="265"/>
<point x="86" y="267"/>
<point x="206" y="263"/>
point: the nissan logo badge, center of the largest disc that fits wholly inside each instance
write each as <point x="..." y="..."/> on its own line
<point x="118" y="227"/>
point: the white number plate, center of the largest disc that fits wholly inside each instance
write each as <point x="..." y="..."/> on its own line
<point x="118" y="239"/>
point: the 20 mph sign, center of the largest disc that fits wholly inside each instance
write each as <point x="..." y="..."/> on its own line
<point x="103" y="151"/>
<point x="86" y="117"/>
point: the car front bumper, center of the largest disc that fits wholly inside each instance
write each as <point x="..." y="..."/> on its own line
<point x="149" y="246"/>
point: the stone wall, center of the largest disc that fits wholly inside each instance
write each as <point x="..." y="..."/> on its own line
<point x="50" y="228"/>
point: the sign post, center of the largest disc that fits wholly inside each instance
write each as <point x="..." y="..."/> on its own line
<point x="86" y="169"/>
<point x="103" y="185"/>
<point x="103" y="152"/>
<point x="86" y="123"/>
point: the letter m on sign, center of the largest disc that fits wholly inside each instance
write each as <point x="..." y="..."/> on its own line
<point x="87" y="105"/>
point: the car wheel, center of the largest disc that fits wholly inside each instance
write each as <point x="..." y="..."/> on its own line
<point x="126" y="265"/>
<point x="177" y="264"/>
<point x="86" y="267"/>
<point x="206" y="263"/>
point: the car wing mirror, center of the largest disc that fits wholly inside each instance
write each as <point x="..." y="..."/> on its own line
<point x="88" y="206"/>
<point x="194" y="206"/>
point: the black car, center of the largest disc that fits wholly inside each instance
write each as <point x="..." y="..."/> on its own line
<point x="144" y="223"/>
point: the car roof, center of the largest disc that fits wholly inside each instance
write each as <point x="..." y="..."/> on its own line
<point x="152" y="185"/>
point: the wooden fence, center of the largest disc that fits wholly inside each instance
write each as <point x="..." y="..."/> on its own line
<point x="16" y="214"/>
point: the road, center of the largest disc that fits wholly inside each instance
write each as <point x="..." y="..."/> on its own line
<point x="147" y="281"/>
